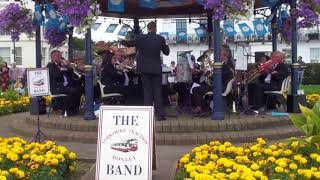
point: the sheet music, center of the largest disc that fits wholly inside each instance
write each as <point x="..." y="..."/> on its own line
<point x="242" y="62"/>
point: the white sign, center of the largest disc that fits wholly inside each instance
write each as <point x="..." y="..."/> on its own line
<point x="38" y="82"/>
<point x="125" y="143"/>
<point x="241" y="59"/>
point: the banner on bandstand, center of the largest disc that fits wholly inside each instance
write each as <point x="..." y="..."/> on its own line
<point x="116" y="5"/>
<point x="259" y="27"/>
<point x="245" y="29"/>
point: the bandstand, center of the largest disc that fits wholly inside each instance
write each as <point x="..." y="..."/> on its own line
<point x="187" y="9"/>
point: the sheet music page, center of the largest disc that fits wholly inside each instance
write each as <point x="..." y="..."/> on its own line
<point x="241" y="63"/>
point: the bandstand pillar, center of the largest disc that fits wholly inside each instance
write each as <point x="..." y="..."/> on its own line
<point x="210" y="30"/>
<point x="218" y="104"/>
<point x="89" y="108"/>
<point x="70" y="44"/>
<point x="38" y="47"/>
<point x="136" y="27"/>
<point x="294" y="99"/>
<point x="274" y="30"/>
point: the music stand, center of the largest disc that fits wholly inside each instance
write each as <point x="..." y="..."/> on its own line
<point x="241" y="101"/>
<point x="38" y="86"/>
<point x="37" y="136"/>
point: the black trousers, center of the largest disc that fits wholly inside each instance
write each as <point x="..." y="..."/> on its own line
<point x="152" y="92"/>
<point x="256" y="96"/>
<point x="71" y="102"/>
<point x="198" y="93"/>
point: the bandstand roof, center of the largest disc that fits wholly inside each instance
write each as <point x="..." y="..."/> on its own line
<point x="164" y="9"/>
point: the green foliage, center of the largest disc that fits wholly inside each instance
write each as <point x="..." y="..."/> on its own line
<point x="312" y="74"/>
<point x="310" y="89"/>
<point x="1" y="60"/>
<point x="78" y="44"/>
<point x="10" y="94"/>
<point x="308" y="122"/>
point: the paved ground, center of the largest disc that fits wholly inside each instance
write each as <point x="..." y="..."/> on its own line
<point x="166" y="155"/>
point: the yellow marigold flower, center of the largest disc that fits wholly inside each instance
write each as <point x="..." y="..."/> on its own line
<point x="55" y="162"/>
<point x="313" y="156"/>
<point x="192" y="174"/>
<point x="293" y="166"/>
<point x="273" y="147"/>
<point x="227" y="144"/>
<point x="292" y="176"/>
<point x="233" y="176"/>
<point x="287" y="152"/>
<point x="303" y="161"/>
<point x="254" y="167"/>
<point x="26" y="156"/>
<point x="196" y="149"/>
<point x="317" y="175"/>
<point x="267" y="151"/>
<point x="214" y="157"/>
<point x="20" y="174"/>
<point x="308" y="174"/>
<point x="190" y="169"/>
<point x="184" y="160"/>
<point x="34" y="167"/>
<point x="271" y="159"/>
<point x="253" y="148"/>
<point x="13" y="170"/>
<point x="314" y="169"/>
<point x="258" y="174"/>
<point x="3" y="178"/>
<point x="220" y="175"/>
<point x="297" y="157"/>
<point x="4" y="173"/>
<point x="283" y="164"/>
<point x="53" y="171"/>
<point x="318" y="159"/>
<point x="279" y="169"/>
<point x="295" y="144"/>
<point x="228" y="170"/>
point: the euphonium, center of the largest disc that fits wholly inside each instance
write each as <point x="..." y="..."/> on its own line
<point x="205" y="58"/>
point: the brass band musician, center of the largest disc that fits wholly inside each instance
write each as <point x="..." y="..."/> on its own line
<point x="228" y="73"/>
<point x="112" y="76"/>
<point x="60" y="83"/>
<point x="270" y="80"/>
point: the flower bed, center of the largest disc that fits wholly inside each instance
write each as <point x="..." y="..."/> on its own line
<point x="21" y="160"/>
<point x="292" y="160"/>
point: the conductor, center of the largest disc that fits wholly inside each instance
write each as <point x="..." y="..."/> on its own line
<point x="149" y="47"/>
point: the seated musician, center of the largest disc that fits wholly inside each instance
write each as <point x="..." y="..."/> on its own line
<point x="271" y="80"/>
<point x="59" y="73"/>
<point x="112" y="76"/>
<point x="227" y="75"/>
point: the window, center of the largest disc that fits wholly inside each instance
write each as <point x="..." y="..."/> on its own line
<point x="181" y="25"/>
<point x="314" y="54"/>
<point x="4" y="33"/>
<point x="111" y="28"/>
<point x="95" y="26"/>
<point x="19" y="55"/>
<point x="181" y="30"/>
<point x="43" y="56"/>
<point x="5" y="54"/>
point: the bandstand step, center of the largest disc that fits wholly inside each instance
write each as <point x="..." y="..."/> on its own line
<point x="182" y="124"/>
<point x="185" y="138"/>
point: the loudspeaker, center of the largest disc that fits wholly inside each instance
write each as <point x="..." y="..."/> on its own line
<point x="293" y="102"/>
<point x="38" y="106"/>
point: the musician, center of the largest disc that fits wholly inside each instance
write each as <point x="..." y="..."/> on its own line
<point x="228" y="73"/>
<point x="149" y="47"/>
<point x="269" y="81"/>
<point x="112" y="76"/>
<point x="59" y="84"/>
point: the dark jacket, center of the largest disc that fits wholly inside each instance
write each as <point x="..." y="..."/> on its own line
<point x="227" y="73"/>
<point x="148" y="48"/>
<point x="277" y="78"/>
<point x="110" y="76"/>
<point x="56" y="78"/>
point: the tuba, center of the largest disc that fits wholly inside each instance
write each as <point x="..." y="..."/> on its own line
<point x="206" y="64"/>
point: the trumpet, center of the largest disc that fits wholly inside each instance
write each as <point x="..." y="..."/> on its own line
<point x="77" y="72"/>
<point x="127" y="68"/>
